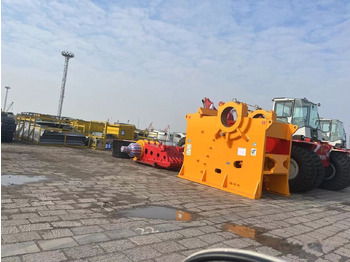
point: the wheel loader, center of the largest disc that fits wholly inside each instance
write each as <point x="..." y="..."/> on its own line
<point x="314" y="162"/>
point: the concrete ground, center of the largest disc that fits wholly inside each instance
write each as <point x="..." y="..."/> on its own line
<point x="90" y="206"/>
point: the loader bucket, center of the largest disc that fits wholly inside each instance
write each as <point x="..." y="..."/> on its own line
<point x="243" y="155"/>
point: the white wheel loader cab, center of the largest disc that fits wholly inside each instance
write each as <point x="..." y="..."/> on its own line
<point x="333" y="132"/>
<point x="300" y="112"/>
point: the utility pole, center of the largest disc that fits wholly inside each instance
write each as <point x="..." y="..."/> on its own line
<point x="7" y="90"/>
<point x="67" y="56"/>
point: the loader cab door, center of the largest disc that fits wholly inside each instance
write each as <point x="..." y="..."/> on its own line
<point x="284" y="111"/>
<point x="338" y="136"/>
<point x="326" y="129"/>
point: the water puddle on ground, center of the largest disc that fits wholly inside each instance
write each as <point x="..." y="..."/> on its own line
<point x="258" y="235"/>
<point x="159" y="212"/>
<point x="8" y="180"/>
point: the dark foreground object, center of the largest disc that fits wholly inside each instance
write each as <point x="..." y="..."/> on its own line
<point x="8" y="127"/>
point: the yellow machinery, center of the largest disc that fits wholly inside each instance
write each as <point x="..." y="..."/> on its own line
<point x="101" y="134"/>
<point x="47" y="129"/>
<point x="242" y="156"/>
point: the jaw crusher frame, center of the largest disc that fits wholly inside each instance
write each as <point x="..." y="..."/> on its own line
<point x="243" y="156"/>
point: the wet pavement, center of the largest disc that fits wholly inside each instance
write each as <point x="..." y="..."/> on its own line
<point x="8" y="180"/>
<point x="159" y="212"/>
<point x="85" y="205"/>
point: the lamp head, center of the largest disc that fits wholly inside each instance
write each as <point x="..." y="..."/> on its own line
<point x="67" y="54"/>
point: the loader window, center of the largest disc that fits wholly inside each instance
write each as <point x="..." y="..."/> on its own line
<point x="300" y="116"/>
<point x="284" y="109"/>
<point x="325" y="126"/>
<point x="337" y="131"/>
<point x="306" y="114"/>
<point x="314" y="117"/>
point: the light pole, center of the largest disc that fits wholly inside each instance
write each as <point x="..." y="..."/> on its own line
<point x="67" y="56"/>
<point x="7" y="90"/>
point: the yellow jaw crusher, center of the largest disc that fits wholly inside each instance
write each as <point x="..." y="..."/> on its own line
<point x="243" y="155"/>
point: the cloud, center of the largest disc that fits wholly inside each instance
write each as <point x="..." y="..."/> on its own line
<point x="154" y="61"/>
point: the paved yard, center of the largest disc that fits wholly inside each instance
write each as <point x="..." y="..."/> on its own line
<point x="89" y="206"/>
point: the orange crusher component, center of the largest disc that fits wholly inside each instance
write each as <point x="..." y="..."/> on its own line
<point x="243" y="155"/>
<point x="155" y="154"/>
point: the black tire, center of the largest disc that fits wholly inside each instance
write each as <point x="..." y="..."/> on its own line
<point x="304" y="164"/>
<point x="338" y="173"/>
<point x="7" y="138"/>
<point x="8" y="127"/>
<point x="321" y="171"/>
<point x="182" y="142"/>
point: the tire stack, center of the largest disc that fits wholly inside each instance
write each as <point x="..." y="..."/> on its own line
<point x="8" y="127"/>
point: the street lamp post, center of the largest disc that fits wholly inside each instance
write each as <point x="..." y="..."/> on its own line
<point x="67" y="56"/>
<point x="7" y="90"/>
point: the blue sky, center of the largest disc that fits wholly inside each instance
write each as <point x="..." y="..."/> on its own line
<point x="153" y="61"/>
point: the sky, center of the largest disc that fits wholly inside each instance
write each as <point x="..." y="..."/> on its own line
<point x="153" y="61"/>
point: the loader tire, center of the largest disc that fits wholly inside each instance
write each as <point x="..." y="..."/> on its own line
<point x="302" y="170"/>
<point x="321" y="171"/>
<point x="182" y="142"/>
<point x="338" y="173"/>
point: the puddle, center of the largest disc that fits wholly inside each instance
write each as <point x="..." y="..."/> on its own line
<point x="159" y="212"/>
<point x="8" y="180"/>
<point x="280" y="245"/>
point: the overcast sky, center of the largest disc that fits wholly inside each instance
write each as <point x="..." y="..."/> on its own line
<point x="153" y="61"/>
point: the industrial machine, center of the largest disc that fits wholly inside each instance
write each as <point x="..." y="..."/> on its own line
<point x="238" y="151"/>
<point x="46" y="129"/>
<point x="101" y="133"/>
<point x="52" y="130"/>
<point x="314" y="162"/>
<point x="154" y="153"/>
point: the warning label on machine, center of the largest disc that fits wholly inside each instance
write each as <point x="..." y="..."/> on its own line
<point x="188" y="149"/>
<point x="242" y="151"/>
<point x="253" y="152"/>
